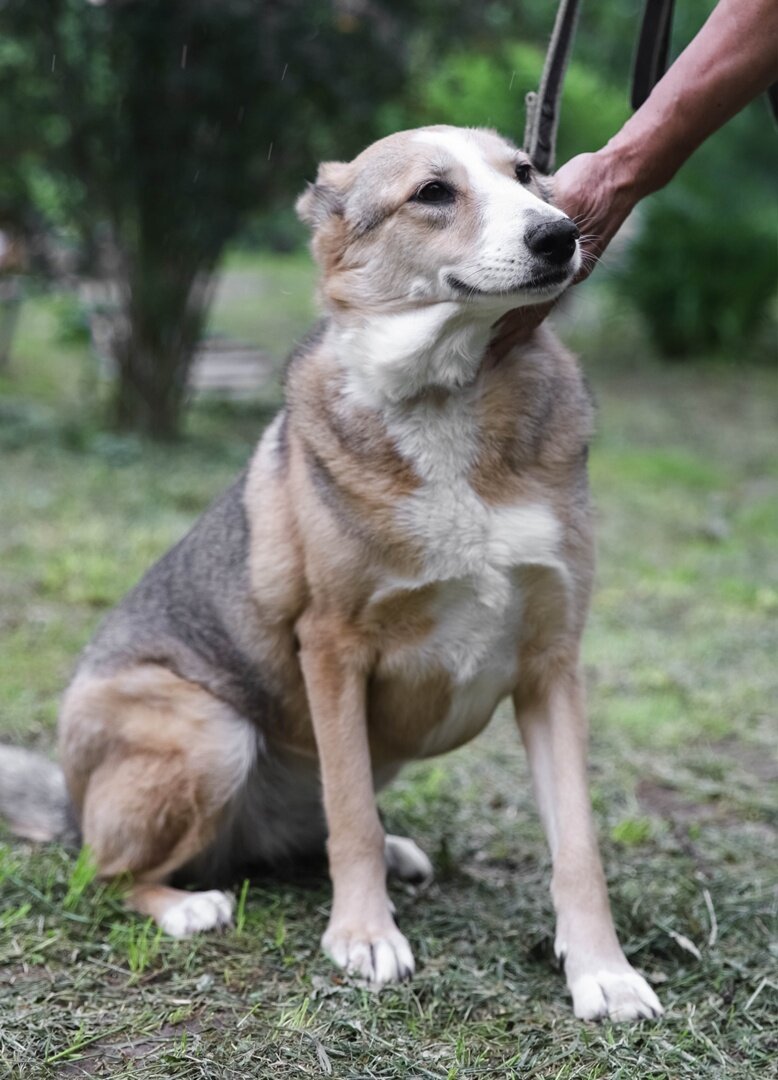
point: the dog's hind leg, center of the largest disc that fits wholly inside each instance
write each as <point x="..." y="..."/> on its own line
<point x="553" y="726"/>
<point x="152" y="763"/>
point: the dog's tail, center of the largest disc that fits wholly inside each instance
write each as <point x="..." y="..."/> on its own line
<point x="34" y="801"/>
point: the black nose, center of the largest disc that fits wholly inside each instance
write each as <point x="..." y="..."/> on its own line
<point x="553" y="240"/>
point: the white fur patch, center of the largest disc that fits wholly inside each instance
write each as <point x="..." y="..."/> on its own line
<point x="619" y="995"/>
<point x="462" y="536"/>
<point x="374" y="955"/>
<point x="395" y="356"/>
<point x="406" y="860"/>
<point x="196" y="912"/>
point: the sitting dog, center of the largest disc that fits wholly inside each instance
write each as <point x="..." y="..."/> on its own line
<point x="411" y="543"/>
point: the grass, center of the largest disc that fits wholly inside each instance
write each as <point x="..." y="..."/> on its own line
<point x="265" y="300"/>
<point x="680" y="661"/>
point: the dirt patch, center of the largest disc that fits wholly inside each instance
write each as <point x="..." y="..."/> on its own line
<point x="672" y="805"/>
<point x="124" y="1049"/>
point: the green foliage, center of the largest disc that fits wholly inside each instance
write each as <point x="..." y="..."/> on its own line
<point x="73" y="320"/>
<point x="279" y="231"/>
<point x="155" y="130"/>
<point x="699" y="290"/>
<point x="478" y="88"/>
<point x="632" y="832"/>
<point x="138" y="943"/>
<point x="703" y="269"/>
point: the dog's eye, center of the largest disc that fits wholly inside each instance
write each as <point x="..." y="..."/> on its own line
<point x="434" y="192"/>
<point x="524" y="172"/>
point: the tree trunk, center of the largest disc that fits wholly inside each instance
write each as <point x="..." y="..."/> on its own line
<point x="146" y="400"/>
<point x="10" y="306"/>
<point x="154" y="344"/>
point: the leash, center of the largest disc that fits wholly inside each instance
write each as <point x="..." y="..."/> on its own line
<point x="543" y="107"/>
<point x="652" y="49"/>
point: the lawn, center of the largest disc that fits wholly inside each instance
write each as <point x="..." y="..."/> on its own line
<point x="680" y="663"/>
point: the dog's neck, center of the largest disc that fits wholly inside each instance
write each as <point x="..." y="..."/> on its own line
<point x="393" y="357"/>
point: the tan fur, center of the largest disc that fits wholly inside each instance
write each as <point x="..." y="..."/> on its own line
<point x="147" y="768"/>
<point x="354" y="448"/>
<point x="362" y="607"/>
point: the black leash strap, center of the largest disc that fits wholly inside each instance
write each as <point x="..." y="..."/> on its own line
<point x="543" y="107"/>
<point x="653" y="47"/>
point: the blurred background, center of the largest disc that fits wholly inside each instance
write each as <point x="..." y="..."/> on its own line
<point x="151" y="152"/>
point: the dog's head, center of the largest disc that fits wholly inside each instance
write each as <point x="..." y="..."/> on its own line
<point x="439" y="214"/>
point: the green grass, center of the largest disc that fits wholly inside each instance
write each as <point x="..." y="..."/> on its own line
<point x="265" y="300"/>
<point x="680" y="662"/>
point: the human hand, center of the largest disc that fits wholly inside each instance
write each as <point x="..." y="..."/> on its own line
<point x="590" y="191"/>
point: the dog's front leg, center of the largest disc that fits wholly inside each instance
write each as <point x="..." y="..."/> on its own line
<point x="602" y="982"/>
<point x="362" y="936"/>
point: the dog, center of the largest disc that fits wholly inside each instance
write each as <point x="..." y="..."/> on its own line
<point x="411" y="543"/>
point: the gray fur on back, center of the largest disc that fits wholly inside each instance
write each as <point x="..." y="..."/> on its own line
<point x="192" y="612"/>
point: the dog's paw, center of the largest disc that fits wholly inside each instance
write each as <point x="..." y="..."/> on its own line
<point x="405" y="860"/>
<point x="196" y="912"/>
<point x="613" y="994"/>
<point x="375" y="956"/>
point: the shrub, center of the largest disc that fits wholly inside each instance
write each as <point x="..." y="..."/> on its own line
<point x="702" y="271"/>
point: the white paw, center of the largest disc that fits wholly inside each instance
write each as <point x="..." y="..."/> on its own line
<point x="615" y="994"/>
<point x="196" y="912"/>
<point x="374" y="956"/>
<point x="406" y="861"/>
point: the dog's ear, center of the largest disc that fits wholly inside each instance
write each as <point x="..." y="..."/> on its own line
<point x="321" y="200"/>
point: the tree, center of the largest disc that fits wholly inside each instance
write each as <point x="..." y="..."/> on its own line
<point x="162" y="123"/>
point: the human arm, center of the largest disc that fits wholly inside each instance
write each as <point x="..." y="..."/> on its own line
<point x="733" y="58"/>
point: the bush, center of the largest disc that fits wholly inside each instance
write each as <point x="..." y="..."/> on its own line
<point x="700" y="287"/>
<point x="703" y="269"/>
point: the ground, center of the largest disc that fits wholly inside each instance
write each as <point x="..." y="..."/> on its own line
<point x="680" y="664"/>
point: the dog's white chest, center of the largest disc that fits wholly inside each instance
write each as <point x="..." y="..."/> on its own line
<point x="470" y="546"/>
<point x="471" y="555"/>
